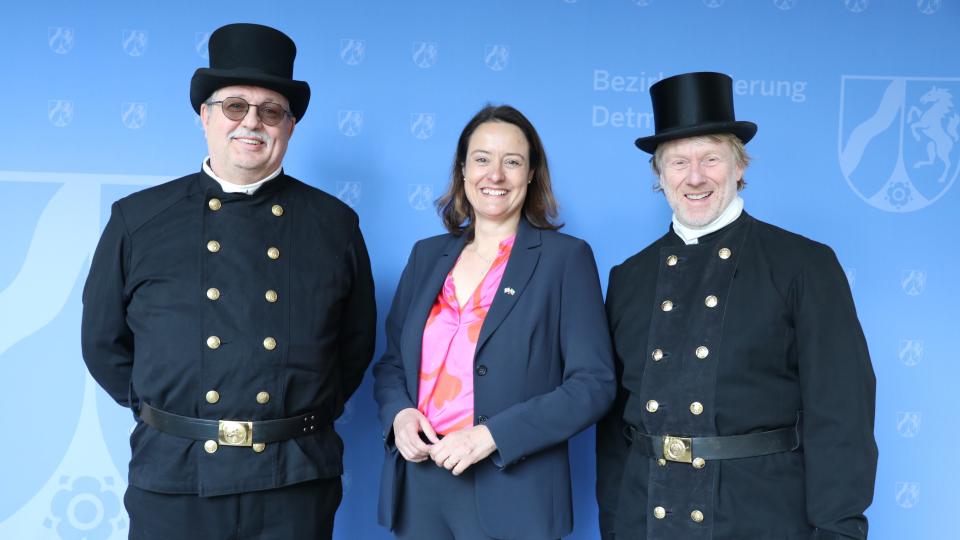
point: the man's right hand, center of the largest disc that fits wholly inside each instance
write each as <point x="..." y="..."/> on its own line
<point x="407" y="426"/>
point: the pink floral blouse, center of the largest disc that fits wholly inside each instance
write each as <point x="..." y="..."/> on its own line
<point x="450" y="337"/>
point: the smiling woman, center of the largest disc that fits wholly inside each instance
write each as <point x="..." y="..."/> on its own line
<point x="498" y="352"/>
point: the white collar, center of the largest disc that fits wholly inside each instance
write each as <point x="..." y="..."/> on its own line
<point x="230" y="187"/>
<point x="691" y="235"/>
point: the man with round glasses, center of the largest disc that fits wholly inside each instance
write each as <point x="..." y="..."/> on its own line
<point x="233" y="311"/>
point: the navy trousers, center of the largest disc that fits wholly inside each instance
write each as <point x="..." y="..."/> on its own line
<point x="437" y="505"/>
<point x="303" y="510"/>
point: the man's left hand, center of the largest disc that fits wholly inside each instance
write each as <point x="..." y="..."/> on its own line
<point x="461" y="449"/>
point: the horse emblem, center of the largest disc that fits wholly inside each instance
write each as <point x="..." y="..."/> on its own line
<point x="930" y="124"/>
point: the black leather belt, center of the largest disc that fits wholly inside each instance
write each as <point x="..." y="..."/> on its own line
<point x="231" y="432"/>
<point x="688" y="449"/>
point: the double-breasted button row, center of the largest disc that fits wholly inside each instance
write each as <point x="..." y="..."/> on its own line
<point x="269" y="343"/>
<point x="211" y="446"/>
<point x="658" y="354"/>
<point x="660" y="512"/>
<point x="271" y="295"/>
<point x="215" y="204"/>
<point x="212" y="396"/>
<point x="696" y="407"/>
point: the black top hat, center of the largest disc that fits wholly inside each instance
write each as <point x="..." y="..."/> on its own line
<point x="254" y="55"/>
<point x="693" y="104"/>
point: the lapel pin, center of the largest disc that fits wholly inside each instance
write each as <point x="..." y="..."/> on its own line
<point x="509" y="290"/>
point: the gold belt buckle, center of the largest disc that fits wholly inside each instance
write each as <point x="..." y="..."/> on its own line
<point x="679" y="449"/>
<point x="235" y="433"/>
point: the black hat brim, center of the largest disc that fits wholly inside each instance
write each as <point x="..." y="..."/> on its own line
<point x="742" y="129"/>
<point x="206" y="81"/>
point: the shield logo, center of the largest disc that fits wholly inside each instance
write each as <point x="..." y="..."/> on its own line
<point x="350" y="122"/>
<point x="200" y="41"/>
<point x="851" y="274"/>
<point x="907" y="494"/>
<point x="899" y="139"/>
<point x="856" y="6"/>
<point x="908" y="424"/>
<point x="420" y="196"/>
<point x="349" y="193"/>
<point x="60" y="39"/>
<point x="135" y="42"/>
<point x="913" y="282"/>
<point x="133" y="115"/>
<point x="352" y="51"/>
<point x="911" y="351"/>
<point x="421" y="125"/>
<point x="60" y="112"/>
<point x="785" y="4"/>
<point x="496" y="57"/>
<point x="929" y="7"/>
<point x="424" y="54"/>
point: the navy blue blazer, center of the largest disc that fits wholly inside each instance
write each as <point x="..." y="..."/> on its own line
<point x="548" y="361"/>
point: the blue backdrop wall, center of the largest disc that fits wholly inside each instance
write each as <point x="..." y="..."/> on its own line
<point x="857" y="102"/>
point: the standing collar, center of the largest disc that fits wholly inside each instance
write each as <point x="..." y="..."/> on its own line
<point x="230" y="187"/>
<point x="691" y="235"/>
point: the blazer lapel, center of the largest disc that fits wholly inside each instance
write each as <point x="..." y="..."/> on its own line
<point x="523" y="260"/>
<point x="428" y="289"/>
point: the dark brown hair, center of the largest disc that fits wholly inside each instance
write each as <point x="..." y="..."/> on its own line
<point x="539" y="206"/>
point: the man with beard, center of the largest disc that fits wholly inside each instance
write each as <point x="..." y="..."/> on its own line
<point x="233" y="311"/>
<point x="746" y="401"/>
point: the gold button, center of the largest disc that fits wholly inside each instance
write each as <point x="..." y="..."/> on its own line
<point x="662" y="462"/>
<point x="213" y="342"/>
<point x="213" y="293"/>
<point x="667" y="305"/>
<point x="652" y="405"/>
<point x="657" y="355"/>
<point x="273" y="253"/>
<point x="263" y="397"/>
<point x="724" y="253"/>
<point x="210" y="446"/>
<point x="214" y="204"/>
<point x="659" y="512"/>
<point x="269" y="344"/>
<point x="702" y="352"/>
<point x="259" y="447"/>
<point x="213" y="246"/>
<point x="696" y="407"/>
<point x="271" y="296"/>
<point x="711" y="301"/>
<point x="699" y="463"/>
<point x="672" y="260"/>
<point x="697" y="516"/>
<point x="277" y="210"/>
<point x="213" y="396"/>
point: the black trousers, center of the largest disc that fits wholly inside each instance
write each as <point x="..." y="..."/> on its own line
<point x="300" y="511"/>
